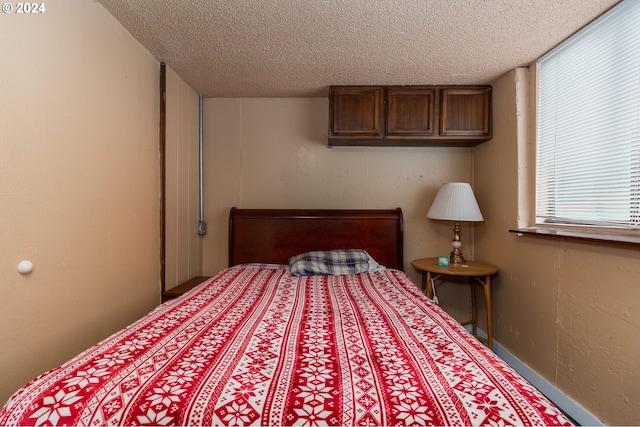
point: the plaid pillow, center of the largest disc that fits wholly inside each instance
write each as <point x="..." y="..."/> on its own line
<point x="334" y="263"/>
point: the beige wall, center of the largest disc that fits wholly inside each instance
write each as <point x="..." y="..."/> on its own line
<point x="79" y="185"/>
<point x="272" y="153"/>
<point x="570" y="310"/>
<point x="182" y="165"/>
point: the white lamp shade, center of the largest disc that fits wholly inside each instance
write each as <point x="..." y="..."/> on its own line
<point x="455" y="201"/>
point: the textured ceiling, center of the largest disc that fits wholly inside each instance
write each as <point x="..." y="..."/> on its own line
<point x="291" y="48"/>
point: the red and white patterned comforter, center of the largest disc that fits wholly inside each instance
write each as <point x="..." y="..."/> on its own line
<point x="257" y="346"/>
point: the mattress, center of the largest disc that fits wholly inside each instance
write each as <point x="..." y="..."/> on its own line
<point x="255" y="345"/>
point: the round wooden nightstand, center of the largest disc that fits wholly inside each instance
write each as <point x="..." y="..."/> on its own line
<point x="478" y="272"/>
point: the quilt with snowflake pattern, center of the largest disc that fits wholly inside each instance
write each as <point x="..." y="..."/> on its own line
<point x="257" y="346"/>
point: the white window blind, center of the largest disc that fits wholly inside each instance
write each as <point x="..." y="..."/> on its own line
<point x="588" y="147"/>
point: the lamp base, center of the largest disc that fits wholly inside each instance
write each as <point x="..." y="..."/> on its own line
<point x="456" y="254"/>
<point x="456" y="257"/>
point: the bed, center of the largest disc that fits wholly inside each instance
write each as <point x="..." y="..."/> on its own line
<point x="258" y="345"/>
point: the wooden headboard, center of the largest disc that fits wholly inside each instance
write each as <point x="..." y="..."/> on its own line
<point x="274" y="235"/>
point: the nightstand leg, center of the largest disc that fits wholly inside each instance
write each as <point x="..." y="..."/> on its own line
<point x="474" y="318"/>
<point x="486" y="286"/>
<point x="427" y="284"/>
<point x="487" y="301"/>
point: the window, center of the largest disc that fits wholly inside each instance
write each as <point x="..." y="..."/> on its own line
<point x="588" y="125"/>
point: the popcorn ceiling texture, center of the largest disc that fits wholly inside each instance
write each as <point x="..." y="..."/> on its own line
<point x="297" y="48"/>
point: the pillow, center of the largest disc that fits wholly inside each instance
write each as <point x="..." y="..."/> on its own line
<point x="373" y="264"/>
<point x="335" y="263"/>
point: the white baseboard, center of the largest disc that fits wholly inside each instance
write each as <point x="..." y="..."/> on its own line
<point x="561" y="400"/>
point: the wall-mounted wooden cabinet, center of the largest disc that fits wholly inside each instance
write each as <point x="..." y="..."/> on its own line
<point x="410" y="111"/>
<point x="358" y="111"/>
<point x="465" y="112"/>
<point x="409" y="115"/>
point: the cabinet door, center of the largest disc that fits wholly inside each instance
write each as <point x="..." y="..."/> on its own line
<point x="356" y="111"/>
<point x="410" y="111"/>
<point x="465" y="112"/>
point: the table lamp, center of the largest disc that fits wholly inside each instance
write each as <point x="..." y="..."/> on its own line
<point x="455" y="201"/>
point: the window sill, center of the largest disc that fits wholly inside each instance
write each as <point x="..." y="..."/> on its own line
<point x="624" y="238"/>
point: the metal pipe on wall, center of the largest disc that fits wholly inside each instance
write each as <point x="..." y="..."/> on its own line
<point x="202" y="225"/>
